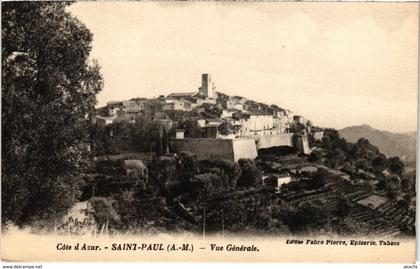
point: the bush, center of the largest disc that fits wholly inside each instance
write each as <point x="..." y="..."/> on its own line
<point x="308" y="218"/>
<point x="343" y="207"/>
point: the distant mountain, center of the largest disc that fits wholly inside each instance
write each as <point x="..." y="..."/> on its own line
<point x="402" y="145"/>
<point x="411" y="134"/>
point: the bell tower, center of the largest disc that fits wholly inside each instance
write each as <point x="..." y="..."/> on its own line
<point x="207" y="86"/>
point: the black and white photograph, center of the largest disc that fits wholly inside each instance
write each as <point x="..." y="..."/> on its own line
<point x="285" y="124"/>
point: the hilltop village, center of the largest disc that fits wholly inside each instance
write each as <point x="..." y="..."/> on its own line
<point x="213" y="125"/>
<point x="205" y="162"/>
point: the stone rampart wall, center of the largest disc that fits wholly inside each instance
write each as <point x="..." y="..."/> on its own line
<point x="244" y="148"/>
<point x="205" y="148"/>
<point x="277" y="140"/>
<point x="237" y="148"/>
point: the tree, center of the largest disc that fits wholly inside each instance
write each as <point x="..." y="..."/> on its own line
<point x="391" y="185"/>
<point x="396" y="165"/>
<point x="379" y="163"/>
<point x="163" y="169"/>
<point x="228" y="170"/>
<point x="362" y="163"/>
<point x="227" y="128"/>
<point x="251" y="175"/>
<point x="316" y="155"/>
<point x="103" y="143"/>
<point x="192" y="129"/>
<point x="48" y="107"/>
<point x="146" y="135"/>
<point x="207" y="184"/>
<point x="337" y="157"/>
<point x="319" y="179"/>
<point x="158" y="145"/>
<point x="297" y="128"/>
<point x="408" y="183"/>
<point x="309" y="217"/>
<point x="165" y="141"/>
<point x="187" y="166"/>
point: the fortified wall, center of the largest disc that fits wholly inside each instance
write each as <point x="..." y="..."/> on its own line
<point x="301" y="143"/>
<point x="212" y="148"/>
<point x="237" y="148"/>
<point x="244" y="148"/>
<point x="277" y="140"/>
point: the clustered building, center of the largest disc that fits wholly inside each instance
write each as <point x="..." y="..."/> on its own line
<point x="218" y="115"/>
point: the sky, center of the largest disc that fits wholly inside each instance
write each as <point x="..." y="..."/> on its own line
<point x="336" y="64"/>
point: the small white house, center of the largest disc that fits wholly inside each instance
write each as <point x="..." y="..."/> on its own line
<point x="179" y="134"/>
<point x="276" y="180"/>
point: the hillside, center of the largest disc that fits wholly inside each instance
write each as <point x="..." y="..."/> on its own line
<point x="391" y="144"/>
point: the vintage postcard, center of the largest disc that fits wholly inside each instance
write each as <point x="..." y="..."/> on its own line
<point x="209" y="131"/>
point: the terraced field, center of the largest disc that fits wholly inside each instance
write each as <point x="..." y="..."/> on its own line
<point x="385" y="220"/>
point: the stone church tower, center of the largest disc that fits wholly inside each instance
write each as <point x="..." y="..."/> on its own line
<point x="207" y="86"/>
